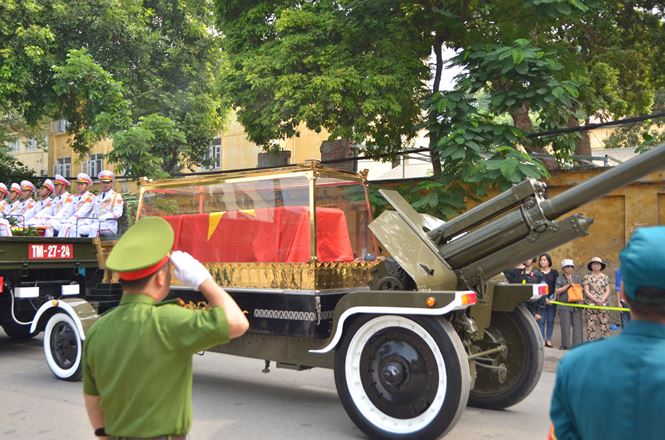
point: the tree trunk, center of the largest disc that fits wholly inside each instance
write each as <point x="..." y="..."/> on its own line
<point x="433" y="139"/>
<point x="583" y="143"/>
<point x="523" y="122"/>
<point x="521" y="118"/>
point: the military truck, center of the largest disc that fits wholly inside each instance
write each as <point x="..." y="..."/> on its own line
<point x="412" y="336"/>
<point x="40" y="279"/>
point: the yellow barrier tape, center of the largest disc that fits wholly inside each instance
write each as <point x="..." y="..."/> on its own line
<point x="589" y="306"/>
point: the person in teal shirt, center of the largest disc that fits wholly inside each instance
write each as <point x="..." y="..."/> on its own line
<point x="615" y="388"/>
<point x="137" y="358"/>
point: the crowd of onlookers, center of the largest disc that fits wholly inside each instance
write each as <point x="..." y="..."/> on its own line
<point x="592" y="289"/>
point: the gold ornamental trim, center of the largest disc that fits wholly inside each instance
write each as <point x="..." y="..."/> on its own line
<point x="308" y="170"/>
<point x="297" y="276"/>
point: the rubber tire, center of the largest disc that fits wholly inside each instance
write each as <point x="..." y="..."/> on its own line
<point x="457" y="376"/>
<point x="530" y="369"/>
<point x="17" y="331"/>
<point x="74" y="372"/>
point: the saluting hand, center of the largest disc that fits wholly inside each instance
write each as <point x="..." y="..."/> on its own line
<point x="189" y="270"/>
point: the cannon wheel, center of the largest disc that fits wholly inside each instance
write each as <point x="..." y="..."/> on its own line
<point x="504" y="379"/>
<point x="402" y="377"/>
<point x="63" y="347"/>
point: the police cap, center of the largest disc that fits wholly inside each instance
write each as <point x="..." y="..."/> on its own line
<point x="142" y="250"/>
<point x="643" y="261"/>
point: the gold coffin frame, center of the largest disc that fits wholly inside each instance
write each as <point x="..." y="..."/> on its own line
<point x="312" y="275"/>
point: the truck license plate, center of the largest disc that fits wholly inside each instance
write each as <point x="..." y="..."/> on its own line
<point x="50" y="251"/>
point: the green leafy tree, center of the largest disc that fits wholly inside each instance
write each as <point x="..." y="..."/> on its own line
<point x="360" y="76"/>
<point x="105" y="65"/>
<point x="361" y="70"/>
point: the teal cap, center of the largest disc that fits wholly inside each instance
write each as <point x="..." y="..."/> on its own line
<point x="643" y="260"/>
<point x="144" y="245"/>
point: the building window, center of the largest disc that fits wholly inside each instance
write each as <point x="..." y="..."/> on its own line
<point x="214" y="160"/>
<point x="60" y="126"/>
<point x="31" y="144"/>
<point x="93" y="165"/>
<point x="64" y="166"/>
<point x="14" y="145"/>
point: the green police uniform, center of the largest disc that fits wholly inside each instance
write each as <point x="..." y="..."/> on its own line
<point x="138" y="357"/>
<point x="613" y="389"/>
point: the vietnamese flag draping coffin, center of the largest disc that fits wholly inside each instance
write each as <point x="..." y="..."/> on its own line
<point x="262" y="235"/>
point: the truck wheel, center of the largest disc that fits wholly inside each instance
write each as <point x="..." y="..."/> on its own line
<point x="506" y="378"/>
<point x="402" y="377"/>
<point x="63" y="347"/>
<point x="17" y="331"/>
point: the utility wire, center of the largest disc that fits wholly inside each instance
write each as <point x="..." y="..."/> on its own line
<point x="549" y="133"/>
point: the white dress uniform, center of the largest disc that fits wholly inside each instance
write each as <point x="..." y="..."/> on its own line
<point x="5" y="229"/>
<point x="25" y="205"/>
<point x="34" y="216"/>
<point x="107" y="210"/>
<point x="37" y="215"/>
<point x="82" y="208"/>
<point x="61" y="209"/>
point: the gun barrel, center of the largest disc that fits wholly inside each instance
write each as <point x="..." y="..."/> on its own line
<point x="604" y="183"/>
<point x="498" y="233"/>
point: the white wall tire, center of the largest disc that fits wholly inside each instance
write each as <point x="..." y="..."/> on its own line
<point x="63" y="347"/>
<point x="402" y="377"/>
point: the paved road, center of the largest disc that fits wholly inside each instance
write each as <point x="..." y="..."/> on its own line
<point x="232" y="400"/>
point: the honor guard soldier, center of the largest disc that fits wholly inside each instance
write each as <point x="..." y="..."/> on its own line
<point x="615" y="388"/>
<point x="107" y="210"/>
<point x="26" y="201"/>
<point x="137" y="358"/>
<point x="5" y="229"/>
<point x="36" y="215"/>
<point x="62" y="208"/>
<point x="4" y="204"/>
<point x="83" y="204"/>
<point x="14" y="199"/>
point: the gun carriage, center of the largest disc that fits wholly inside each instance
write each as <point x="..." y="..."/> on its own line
<point x="412" y="338"/>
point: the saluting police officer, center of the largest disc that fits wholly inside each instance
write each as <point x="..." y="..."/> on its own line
<point x="137" y="359"/>
<point x="615" y="388"/>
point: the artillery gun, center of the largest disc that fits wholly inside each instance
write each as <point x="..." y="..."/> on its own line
<point x="412" y="338"/>
<point x="500" y="336"/>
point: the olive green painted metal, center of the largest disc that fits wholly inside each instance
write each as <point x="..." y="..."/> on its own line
<point x="409" y="246"/>
<point x="506" y="297"/>
<point x="505" y="230"/>
<point x="479" y="214"/>
<point x="14" y="253"/>
<point x="307" y="352"/>
<point x="85" y="312"/>
<point x="78" y="308"/>
<point x="283" y="349"/>
<point x="386" y="302"/>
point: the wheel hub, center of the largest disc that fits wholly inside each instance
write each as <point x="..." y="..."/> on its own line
<point x="393" y="373"/>
<point x="399" y="373"/>
<point x="63" y="345"/>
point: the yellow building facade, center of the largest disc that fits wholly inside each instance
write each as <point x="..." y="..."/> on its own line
<point x="231" y="150"/>
<point x="30" y="152"/>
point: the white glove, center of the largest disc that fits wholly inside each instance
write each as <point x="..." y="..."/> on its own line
<point x="189" y="270"/>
